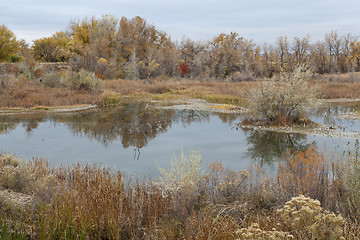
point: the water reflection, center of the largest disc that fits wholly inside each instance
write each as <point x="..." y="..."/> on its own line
<point x="154" y="134"/>
<point x="29" y="122"/>
<point x="332" y="114"/>
<point x="266" y="147"/>
<point x="134" y="124"/>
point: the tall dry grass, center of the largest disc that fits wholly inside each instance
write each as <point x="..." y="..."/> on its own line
<point x="88" y="202"/>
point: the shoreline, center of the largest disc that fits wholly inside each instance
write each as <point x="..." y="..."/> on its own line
<point x="45" y="109"/>
<point x="203" y="105"/>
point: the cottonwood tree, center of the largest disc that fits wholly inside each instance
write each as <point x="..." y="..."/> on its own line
<point x="8" y="43"/>
<point x="52" y="49"/>
<point x="319" y="57"/>
<point x="347" y="63"/>
<point x="269" y="59"/>
<point x="230" y="53"/>
<point x="282" y="47"/>
<point x="333" y="44"/>
<point x="355" y="53"/>
<point x="301" y="47"/>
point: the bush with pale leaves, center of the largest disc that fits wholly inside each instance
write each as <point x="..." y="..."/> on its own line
<point x="184" y="173"/>
<point x="306" y="217"/>
<point x="284" y="99"/>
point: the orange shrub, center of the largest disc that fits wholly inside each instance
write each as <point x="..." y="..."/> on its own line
<point x="305" y="173"/>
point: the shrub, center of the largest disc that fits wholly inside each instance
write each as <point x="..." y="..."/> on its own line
<point x="307" y="218"/>
<point x="7" y="81"/>
<point x="184" y="173"/>
<point x="227" y="185"/>
<point x="305" y="172"/>
<point x="255" y="232"/>
<point x="30" y="70"/>
<point x="109" y="98"/>
<point x="82" y="80"/>
<point x="26" y="177"/>
<point x="52" y="80"/>
<point x="15" y="58"/>
<point x="285" y="100"/>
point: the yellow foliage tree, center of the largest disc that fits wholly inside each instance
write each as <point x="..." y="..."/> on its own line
<point x="52" y="49"/>
<point x="8" y="43"/>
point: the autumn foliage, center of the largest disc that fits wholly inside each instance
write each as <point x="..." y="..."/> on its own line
<point x="114" y="47"/>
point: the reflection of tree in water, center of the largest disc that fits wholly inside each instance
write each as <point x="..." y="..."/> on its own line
<point x="186" y="117"/>
<point x="330" y="111"/>
<point x="135" y="124"/>
<point x="227" y="118"/>
<point x="7" y="127"/>
<point x="266" y="147"/>
<point x="28" y="121"/>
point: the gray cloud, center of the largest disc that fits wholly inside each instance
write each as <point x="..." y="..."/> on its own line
<point x="260" y="20"/>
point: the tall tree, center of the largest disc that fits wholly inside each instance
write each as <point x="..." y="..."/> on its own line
<point x="333" y="44"/>
<point x="52" y="49"/>
<point x="301" y="47"/>
<point x="282" y="47"/>
<point x="8" y="43"/>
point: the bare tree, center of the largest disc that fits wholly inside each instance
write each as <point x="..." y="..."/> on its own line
<point x="333" y="44"/>
<point x="282" y="47"/>
<point x="301" y="48"/>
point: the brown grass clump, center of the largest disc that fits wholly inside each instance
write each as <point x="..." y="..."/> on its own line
<point x="99" y="204"/>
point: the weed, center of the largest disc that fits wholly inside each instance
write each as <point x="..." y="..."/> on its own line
<point x="110" y="98"/>
<point x="184" y="173"/>
<point x="352" y="182"/>
<point x="82" y="80"/>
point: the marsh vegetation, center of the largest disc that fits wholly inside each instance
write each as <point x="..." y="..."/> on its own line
<point x="113" y="63"/>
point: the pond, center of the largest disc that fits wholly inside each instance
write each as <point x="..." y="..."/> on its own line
<point x="136" y="136"/>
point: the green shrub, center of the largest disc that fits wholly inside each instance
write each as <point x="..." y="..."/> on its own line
<point x="15" y="58"/>
<point x="82" y="80"/>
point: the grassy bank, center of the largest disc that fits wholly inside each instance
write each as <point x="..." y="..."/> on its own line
<point x="86" y="202"/>
<point x="23" y="92"/>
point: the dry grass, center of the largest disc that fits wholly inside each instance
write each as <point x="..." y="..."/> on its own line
<point x="330" y="86"/>
<point x="87" y="202"/>
<point x="27" y="93"/>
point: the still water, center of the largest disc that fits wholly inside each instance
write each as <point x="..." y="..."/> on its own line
<point x="136" y="136"/>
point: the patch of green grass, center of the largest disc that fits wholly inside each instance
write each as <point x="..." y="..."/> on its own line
<point x="222" y="99"/>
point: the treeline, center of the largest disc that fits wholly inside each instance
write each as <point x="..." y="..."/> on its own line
<point x="134" y="49"/>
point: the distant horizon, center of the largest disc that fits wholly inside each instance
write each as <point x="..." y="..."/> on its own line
<point x="259" y="20"/>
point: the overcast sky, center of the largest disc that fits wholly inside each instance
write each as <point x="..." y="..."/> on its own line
<point x="260" y="20"/>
